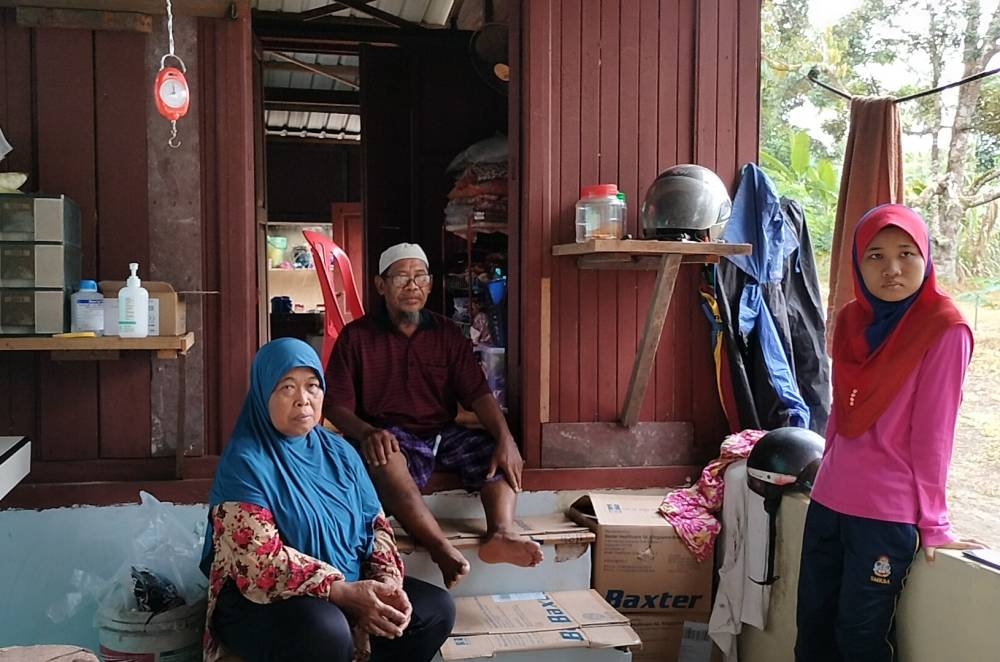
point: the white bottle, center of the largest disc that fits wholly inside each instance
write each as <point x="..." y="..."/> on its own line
<point x="87" y="309"/>
<point x="133" y="306"/>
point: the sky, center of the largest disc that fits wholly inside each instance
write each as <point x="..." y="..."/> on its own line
<point x="823" y="13"/>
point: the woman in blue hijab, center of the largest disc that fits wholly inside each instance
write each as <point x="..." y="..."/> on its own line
<point x="302" y="563"/>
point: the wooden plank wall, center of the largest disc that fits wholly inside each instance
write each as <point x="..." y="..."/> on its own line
<point x="74" y="103"/>
<point x="615" y="92"/>
<point x="75" y="127"/>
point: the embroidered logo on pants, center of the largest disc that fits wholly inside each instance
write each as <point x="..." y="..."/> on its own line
<point x="882" y="570"/>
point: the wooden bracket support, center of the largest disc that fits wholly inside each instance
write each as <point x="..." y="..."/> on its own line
<point x="666" y="277"/>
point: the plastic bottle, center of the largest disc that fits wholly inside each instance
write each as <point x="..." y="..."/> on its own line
<point x="133" y="306"/>
<point x="87" y="309"/>
<point x="600" y="213"/>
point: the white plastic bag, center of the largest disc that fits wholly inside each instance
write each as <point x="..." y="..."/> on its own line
<point x="161" y="545"/>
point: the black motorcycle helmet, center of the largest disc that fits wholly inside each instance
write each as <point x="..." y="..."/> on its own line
<point x="684" y="203"/>
<point x="781" y="460"/>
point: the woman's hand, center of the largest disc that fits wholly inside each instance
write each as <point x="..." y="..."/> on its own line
<point x="964" y="543"/>
<point x="507" y="458"/>
<point x="381" y="608"/>
<point x="377" y="445"/>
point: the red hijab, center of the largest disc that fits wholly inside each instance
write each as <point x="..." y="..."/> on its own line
<point x="878" y="344"/>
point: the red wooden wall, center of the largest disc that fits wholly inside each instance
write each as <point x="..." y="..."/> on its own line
<point x="615" y="92"/>
<point x="75" y="105"/>
<point x="78" y="126"/>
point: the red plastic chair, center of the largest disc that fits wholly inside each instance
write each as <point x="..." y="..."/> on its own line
<point x="328" y="257"/>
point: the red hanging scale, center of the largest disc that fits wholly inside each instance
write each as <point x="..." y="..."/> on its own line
<point x="170" y="90"/>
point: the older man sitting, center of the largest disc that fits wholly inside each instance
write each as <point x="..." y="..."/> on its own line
<point x="395" y="380"/>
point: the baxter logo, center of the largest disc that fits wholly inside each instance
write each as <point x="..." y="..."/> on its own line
<point x="554" y="613"/>
<point x="623" y="600"/>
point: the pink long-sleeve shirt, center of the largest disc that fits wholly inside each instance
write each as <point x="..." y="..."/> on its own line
<point x="897" y="470"/>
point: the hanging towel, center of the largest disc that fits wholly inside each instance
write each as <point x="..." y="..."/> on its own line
<point x="743" y="546"/>
<point x="691" y="510"/>
<point x="872" y="175"/>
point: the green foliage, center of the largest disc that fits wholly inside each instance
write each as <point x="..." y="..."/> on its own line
<point x="885" y="47"/>
<point x="810" y="180"/>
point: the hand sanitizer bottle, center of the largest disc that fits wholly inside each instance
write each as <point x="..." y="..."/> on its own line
<point x="133" y="306"/>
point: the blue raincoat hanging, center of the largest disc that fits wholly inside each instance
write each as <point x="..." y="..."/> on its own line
<point x="758" y="220"/>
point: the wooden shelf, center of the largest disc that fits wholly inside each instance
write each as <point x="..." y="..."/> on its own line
<point x="631" y="254"/>
<point x="664" y="257"/>
<point x="166" y="347"/>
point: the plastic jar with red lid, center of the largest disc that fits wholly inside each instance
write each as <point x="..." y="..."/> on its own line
<point x="600" y="213"/>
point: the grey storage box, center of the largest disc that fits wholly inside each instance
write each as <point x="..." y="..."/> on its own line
<point x="33" y="312"/>
<point x="39" y="265"/>
<point x="39" y="218"/>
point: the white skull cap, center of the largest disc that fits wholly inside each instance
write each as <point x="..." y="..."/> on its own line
<point x="399" y="252"/>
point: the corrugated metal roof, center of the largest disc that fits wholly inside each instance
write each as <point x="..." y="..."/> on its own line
<point x="334" y="126"/>
<point x="331" y="126"/>
<point x="426" y="12"/>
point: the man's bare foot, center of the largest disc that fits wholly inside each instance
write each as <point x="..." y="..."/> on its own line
<point x="454" y="567"/>
<point x="513" y="548"/>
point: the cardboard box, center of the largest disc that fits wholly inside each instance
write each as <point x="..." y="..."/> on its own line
<point x="39" y="218"/>
<point x="39" y="265"/>
<point x="667" y="639"/>
<point x="554" y="529"/>
<point x="489" y="625"/>
<point x="33" y="312"/>
<point x="640" y="563"/>
<point x="167" y="310"/>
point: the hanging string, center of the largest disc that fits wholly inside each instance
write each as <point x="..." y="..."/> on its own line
<point x="170" y="26"/>
<point x="917" y="95"/>
<point x="813" y="77"/>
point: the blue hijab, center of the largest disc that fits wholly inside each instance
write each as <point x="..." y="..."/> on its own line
<point x="323" y="502"/>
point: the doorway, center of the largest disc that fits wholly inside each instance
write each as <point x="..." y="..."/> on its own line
<point x="403" y="124"/>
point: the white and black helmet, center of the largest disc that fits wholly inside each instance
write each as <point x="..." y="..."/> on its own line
<point x="784" y="459"/>
<point x="685" y="202"/>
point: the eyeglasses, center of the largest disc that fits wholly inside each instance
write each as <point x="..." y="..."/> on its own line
<point x="399" y="281"/>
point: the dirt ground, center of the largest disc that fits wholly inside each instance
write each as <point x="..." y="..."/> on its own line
<point x="974" y="480"/>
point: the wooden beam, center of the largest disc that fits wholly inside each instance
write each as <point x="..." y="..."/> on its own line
<point x="363" y="7"/>
<point x="277" y="31"/>
<point x="83" y="19"/>
<point x="207" y="8"/>
<point x="350" y="73"/>
<point x="330" y="101"/>
<point x="318" y="70"/>
<point x="324" y="11"/>
<point x="195" y="487"/>
<point x="61" y="495"/>
<point x="666" y="277"/>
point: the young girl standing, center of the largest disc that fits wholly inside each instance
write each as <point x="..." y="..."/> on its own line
<point x="900" y="354"/>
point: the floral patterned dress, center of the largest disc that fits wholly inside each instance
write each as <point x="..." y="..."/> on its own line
<point x="692" y="510"/>
<point x="249" y="551"/>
